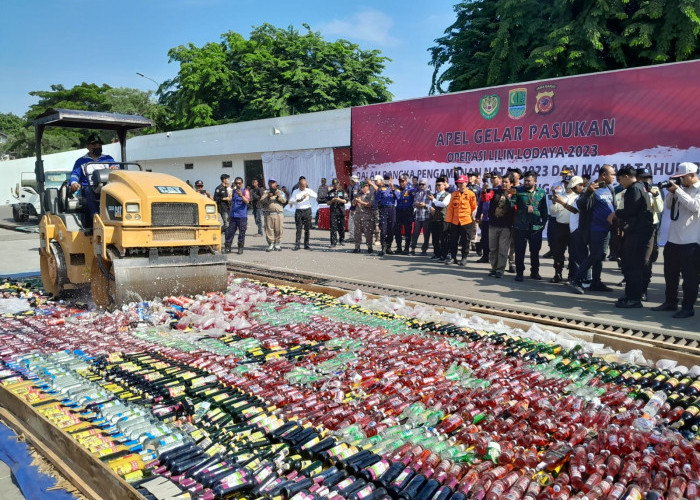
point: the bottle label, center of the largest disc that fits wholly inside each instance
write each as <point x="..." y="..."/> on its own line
<point x="378" y="469"/>
<point x="365" y="492"/>
<point x="401" y="477"/>
<point x="344" y="484"/>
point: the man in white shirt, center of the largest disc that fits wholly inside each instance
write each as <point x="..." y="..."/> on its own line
<point x="563" y="205"/>
<point x="300" y="200"/>
<point x="437" y="208"/>
<point x="682" y="251"/>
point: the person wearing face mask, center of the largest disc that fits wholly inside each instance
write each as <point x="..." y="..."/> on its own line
<point x="81" y="176"/>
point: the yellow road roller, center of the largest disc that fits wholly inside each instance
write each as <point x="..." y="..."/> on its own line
<point x="153" y="235"/>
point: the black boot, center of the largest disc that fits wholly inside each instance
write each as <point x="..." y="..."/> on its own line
<point x="227" y="247"/>
<point x="381" y="251"/>
<point x="240" y="248"/>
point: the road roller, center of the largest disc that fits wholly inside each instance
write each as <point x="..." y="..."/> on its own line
<point x="153" y="235"/>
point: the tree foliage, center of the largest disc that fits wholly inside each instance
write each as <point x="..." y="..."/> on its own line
<point x="494" y="42"/>
<point x="275" y="72"/>
<point x="86" y="97"/>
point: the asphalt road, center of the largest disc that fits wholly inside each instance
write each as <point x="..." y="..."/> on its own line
<point x="18" y="252"/>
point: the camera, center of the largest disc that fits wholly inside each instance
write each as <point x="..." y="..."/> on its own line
<point x="665" y="184"/>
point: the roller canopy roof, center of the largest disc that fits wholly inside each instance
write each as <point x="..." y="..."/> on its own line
<point x="91" y="119"/>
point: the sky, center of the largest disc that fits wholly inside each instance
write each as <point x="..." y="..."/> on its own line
<point x="47" y="42"/>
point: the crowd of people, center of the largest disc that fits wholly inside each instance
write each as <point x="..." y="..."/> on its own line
<point x="614" y="217"/>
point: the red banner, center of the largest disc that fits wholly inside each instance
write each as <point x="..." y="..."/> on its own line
<point x="645" y="117"/>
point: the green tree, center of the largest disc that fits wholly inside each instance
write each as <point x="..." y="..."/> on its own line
<point x="11" y="125"/>
<point x="87" y="97"/>
<point x="276" y="72"/>
<point x="494" y="42"/>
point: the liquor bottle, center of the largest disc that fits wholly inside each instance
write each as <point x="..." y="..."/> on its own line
<point x="555" y="456"/>
<point x="427" y="490"/>
<point x="391" y="473"/>
<point x="518" y="489"/>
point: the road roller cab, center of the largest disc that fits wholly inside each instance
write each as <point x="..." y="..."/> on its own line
<point x="153" y="235"/>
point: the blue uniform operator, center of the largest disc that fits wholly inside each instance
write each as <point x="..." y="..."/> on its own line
<point x="81" y="176"/>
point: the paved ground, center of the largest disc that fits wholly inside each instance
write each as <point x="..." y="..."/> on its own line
<point x="19" y="255"/>
<point x="9" y="489"/>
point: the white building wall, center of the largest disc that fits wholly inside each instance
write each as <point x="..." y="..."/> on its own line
<point x="206" y="148"/>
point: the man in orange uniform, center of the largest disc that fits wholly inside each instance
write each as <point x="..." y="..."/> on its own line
<point x="460" y="218"/>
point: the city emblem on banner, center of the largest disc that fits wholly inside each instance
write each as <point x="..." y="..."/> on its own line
<point x="489" y="105"/>
<point x="517" y="103"/>
<point x="544" y="99"/>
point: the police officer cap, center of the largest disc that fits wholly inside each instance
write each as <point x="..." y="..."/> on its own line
<point x="224" y="176"/>
<point x="94" y="138"/>
<point x="473" y="173"/>
<point x="495" y="174"/>
<point x="387" y="177"/>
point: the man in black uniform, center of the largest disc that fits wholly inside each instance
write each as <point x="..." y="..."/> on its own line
<point x="336" y="199"/>
<point x="637" y="222"/>
<point x="222" y="197"/>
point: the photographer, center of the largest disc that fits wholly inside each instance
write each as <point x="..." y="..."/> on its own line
<point x="656" y="204"/>
<point x="682" y="251"/>
<point x="222" y="196"/>
<point x="272" y="202"/>
<point x="637" y="223"/>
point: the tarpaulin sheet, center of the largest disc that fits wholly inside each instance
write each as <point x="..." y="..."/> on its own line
<point x="33" y="484"/>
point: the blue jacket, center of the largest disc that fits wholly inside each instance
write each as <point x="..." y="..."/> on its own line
<point x="239" y="208"/>
<point x="406" y="197"/>
<point x="385" y="196"/>
<point x="595" y="208"/>
<point x="78" y="173"/>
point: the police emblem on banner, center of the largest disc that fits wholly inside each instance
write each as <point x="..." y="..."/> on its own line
<point x="517" y="102"/>
<point x="489" y="105"/>
<point x="544" y="100"/>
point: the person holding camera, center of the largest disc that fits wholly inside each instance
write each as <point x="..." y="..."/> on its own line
<point x="682" y="250"/>
<point x="656" y="204"/>
<point x="222" y="196"/>
<point x="595" y="204"/>
<point x="636" y="221"/>
<point x="239" y="215"/>
<point x="559" y="188"/>
<point x="272" y="202"/>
